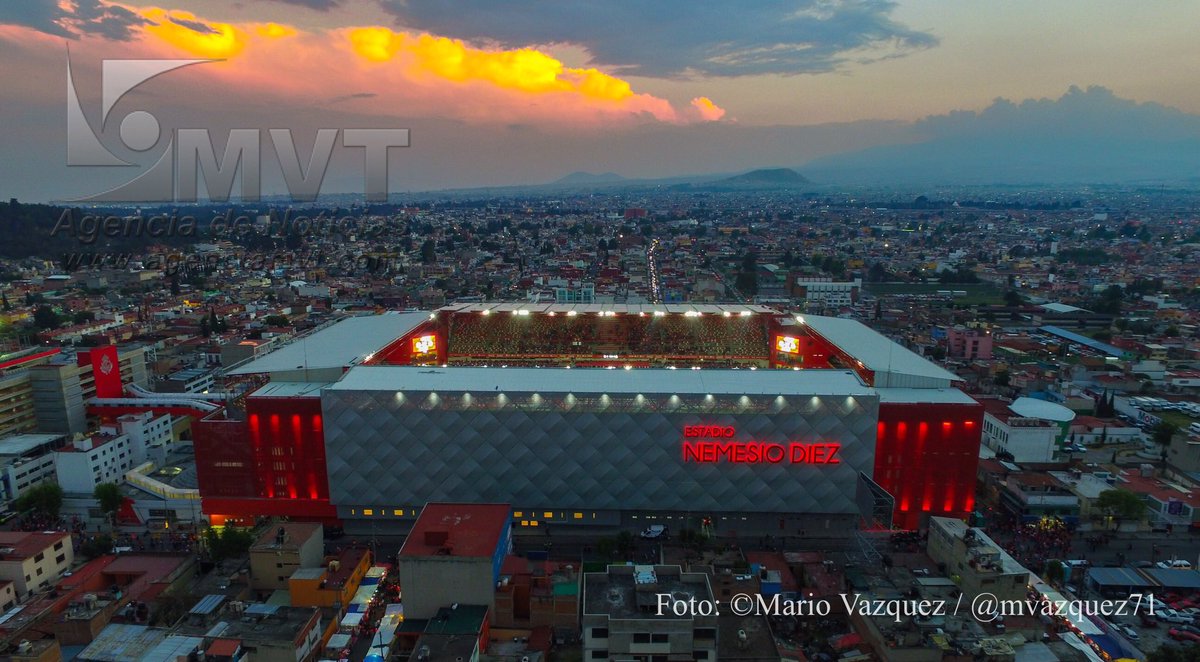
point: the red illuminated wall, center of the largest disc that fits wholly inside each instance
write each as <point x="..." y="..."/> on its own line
<point x="400" y="350"/>
<point x="273" y="463"/>
<point x="926" y="456"/>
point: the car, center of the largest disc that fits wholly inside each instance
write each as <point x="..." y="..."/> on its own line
<point x="654" y="531"/>
<point x="1176" y="563"/>
<point x="1175" y="617"/>
<point x="1183" y="635"/>
<point x="1130" y="633"/>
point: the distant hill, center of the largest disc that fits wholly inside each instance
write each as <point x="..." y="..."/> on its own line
<point x="1085" y="136"/>
<point x="764" y="178"/>
<point x="587" y="178"/>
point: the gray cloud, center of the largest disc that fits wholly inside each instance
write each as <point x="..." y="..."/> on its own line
<point x="682" y="38"/>
<point x="351" y="97"/>
<point x="194" y="26"/>
<point x="82" y="17"/>
<point x="319" y="5"/>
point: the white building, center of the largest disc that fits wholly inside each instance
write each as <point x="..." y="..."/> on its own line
<point x="149" y="437"/>
<point x="25" y="461"/>
<point x="824" y="290"/>
<point x="91" y="461"/>
<point x="1025" y="428"/>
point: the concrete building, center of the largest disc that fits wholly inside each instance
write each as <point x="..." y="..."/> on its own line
<point x="454" y="554"/>
<point x="980" y="565"/>
<point x="621" y="618"/>
<point x="965" y="343"/>
<point x="189" y="380"/>
<point x="825" y="291"/>
<point x="283" y="549"/>
<point x="149" y="436"/>
<point x="62" y="387"/>
<point x="1032" y="496"/>
<point x="25" y="461"/>
<point x="1028" y="439"/>
<point x="34" y="560"/>
<point x="90" y="461"/>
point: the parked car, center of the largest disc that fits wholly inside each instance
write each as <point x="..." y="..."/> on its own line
<point x="1172" y="616"/>
<point x="1183" y="635"/>
<point x="1129" y="633"/>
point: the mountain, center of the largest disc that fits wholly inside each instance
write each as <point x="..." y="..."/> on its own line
<point x="764" y="178"/>
<point x="581" y="178"/>
<point x="1085" y="136"/>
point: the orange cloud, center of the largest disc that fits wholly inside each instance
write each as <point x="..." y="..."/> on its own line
<point x="524" y="69"/>
<point x="186" y="32"/>
<point x="709" y="111"/>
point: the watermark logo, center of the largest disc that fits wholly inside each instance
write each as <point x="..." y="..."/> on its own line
<point x="191" y="154"/>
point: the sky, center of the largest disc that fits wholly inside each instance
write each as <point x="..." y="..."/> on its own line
<point x="527" y="91"/>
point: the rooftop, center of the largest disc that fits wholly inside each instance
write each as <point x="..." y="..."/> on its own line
<point x="632" y="591"/>
<point x="345" y="343"/>
<point x="26" y="544"/>
<point x="465" y="529"/>
<point x="290" y="390"/>
<point x="876" y="352"/>
<point x="596" y="380"/>
<point x="618" y="308"/>
<point x="21" y="444"/>
<point x="295" y="534"/>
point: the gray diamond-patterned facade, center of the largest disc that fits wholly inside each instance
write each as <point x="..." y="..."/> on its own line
<point x="595" y="443"/>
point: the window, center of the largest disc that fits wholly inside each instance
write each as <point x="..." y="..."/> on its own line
<point x="659" y="638"/>
<point x="599" y="633"/>
<point x="60" y="558"/>
<point x="368" y="511"/>
<point x="548" y="515"/>
<point x="398" y="513"/>
<point x="700" y="655"/>
<point x="599" y="655"/>
<point x="40" y="572"/>
<point x="706" y="633"/>
<point x="578" y="515"/>
<point x="39" y="557"/>
<point x="518" y="514"/>
<point x="641" y="637"/>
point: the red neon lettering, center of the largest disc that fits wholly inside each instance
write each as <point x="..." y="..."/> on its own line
<point x="756" y="452"/>
<point x="713" y="431"/>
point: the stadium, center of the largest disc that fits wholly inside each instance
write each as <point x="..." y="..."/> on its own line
<point x="595" y="415"/>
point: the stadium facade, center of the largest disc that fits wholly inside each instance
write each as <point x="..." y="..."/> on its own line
<point x="598" y="415"/>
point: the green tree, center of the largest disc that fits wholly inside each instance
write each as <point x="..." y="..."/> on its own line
<point x="227" y="542"/>
<point x="747" y="276"/>
<point x="43" y="499"/>
<point x="429" y="252"/>
<point x="1055" y="572"/>
<point x="4" y="302"/>
<point x="1121" y="504"/>
<point x="1012" y="299"/>
<point x="108" y="496"/>
<point x="1002" y="378"/>
<point x="45" y="318"/>
<point x="1163" y="432"/>
<point x="276" y="320"/>
<point x="83" y="316"/>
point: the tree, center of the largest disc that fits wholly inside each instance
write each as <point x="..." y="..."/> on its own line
<point x="1002" y="378"/>
<point x="625" y="544"/>
<point x="1055" y="572"/>
<point x="429" y="252"/>
<point x="227" y="542"/>
<point x="44" y="499"/>
<point x="45" y="318"/>
<point x="108" y="496"/>
<point x="83" y="316"/>
<point x="1163" y="432"/>
<point x="1172" y="653"/>
<point x="276" y="320"/>
<point x="4" y="302"/>
<point x="747" y="277"/>
<point x="205" y="329"/>
<point x="1121" y="504"/>
<point x="1013" y="299"/>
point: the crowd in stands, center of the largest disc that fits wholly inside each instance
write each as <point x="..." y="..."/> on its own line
<point x="589" y="335"/>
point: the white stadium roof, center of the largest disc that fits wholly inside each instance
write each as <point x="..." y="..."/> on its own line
<point x="1034" y="408"/>
<point x="595" y="380"/>
<point x="344" y="344"/>
<point x="877" y="352"/>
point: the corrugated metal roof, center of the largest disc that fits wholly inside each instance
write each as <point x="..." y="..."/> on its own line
<point x="207" y="605"/>
<point x="876" y="352"/>
<point x="345" y="343"/>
